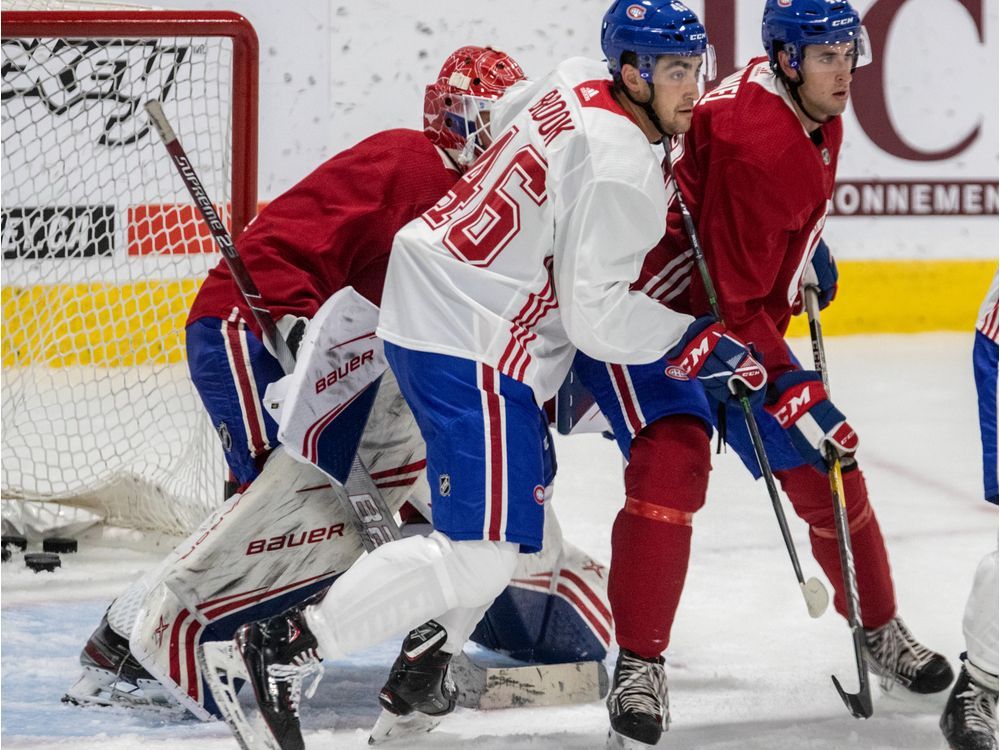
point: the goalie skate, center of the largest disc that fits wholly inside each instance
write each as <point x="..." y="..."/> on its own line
<point x="102" y="687"/>
<point x="112" y="677"/>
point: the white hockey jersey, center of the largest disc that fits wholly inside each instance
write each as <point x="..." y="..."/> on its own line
<point x="531" y="254"/>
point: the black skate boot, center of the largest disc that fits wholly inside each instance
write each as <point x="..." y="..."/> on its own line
<point x="898" y="658"/>
<point x="419" y="691"/>
<point x="637" y="704"/>
<point x="969" y="721"/>
<point x="112" y="676"/>
<point x="274" y="656"/>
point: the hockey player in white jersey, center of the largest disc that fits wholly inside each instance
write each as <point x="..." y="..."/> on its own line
<point x="969" y="721"/>
<point x="488" y="296"/>
<point x="286" y="536"/>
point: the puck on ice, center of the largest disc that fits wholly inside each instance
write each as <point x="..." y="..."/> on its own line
<point x="59" y="544"/>
<point x="6" y="553"/>
<point x="39" y="561"/>
<point x="14" y="540"/>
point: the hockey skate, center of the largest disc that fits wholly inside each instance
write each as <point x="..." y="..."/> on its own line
<point x="969" y="721"/>
<point x="419" y="691"/>
<point x="898" y="658"/>
<point x="112" y="677"/>
<point x="637" y="704"/>
<point x="275" y="656"/>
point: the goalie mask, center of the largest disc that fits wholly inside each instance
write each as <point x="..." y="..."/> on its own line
<point x="457" y="105"/>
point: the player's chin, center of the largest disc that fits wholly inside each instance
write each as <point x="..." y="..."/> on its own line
<point x="682" y="121"/>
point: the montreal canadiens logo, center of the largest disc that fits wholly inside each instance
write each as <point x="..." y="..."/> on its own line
<point x="539" y="493"/>
<point x="676" y="373"/>
<point x="635" y="12"/>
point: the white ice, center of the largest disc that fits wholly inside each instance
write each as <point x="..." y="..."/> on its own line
<point x="747" y="668"/>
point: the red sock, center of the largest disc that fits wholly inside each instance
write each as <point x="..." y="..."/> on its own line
<point x="665" y="483"/>
<point x="809" y="492"/>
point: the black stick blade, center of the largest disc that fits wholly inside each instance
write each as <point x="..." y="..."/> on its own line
<point x="859" y="703"/>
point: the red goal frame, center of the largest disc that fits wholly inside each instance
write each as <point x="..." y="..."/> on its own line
<point x="152" y="24"/>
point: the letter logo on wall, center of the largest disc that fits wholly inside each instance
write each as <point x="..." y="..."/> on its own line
<point x="65" y="74"/>
<point x="31" y="233"/>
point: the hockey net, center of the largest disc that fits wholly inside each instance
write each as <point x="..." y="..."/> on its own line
<point x="103" y="253"/>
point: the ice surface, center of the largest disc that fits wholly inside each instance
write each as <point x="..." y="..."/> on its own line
<point x="747" y="668"/>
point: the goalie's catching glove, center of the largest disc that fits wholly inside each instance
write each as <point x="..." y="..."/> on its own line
<point x="718" y="359"/>
<point x="799" y="402"/>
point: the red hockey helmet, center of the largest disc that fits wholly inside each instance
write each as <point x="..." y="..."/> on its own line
<point x="471" y="79"/>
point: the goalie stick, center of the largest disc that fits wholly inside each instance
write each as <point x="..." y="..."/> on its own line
<point x="546" y="684"/>
<point x="374" y="526"/>
<point x="859" y="703"/>
<point x="813" y="590"/>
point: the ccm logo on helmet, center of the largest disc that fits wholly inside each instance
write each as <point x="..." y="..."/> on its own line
<point x="635" y="12"/>
<point x="842" y="22"/>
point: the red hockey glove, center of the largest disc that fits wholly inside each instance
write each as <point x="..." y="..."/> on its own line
<point x="800" y="404"/>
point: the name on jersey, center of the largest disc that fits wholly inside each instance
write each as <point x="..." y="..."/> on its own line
<point x="551" y="112"/>
<point x="344" y="370"/>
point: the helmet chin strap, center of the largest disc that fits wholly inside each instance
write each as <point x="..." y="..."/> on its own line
<point x="647" y="107"/>
<point x="793" y="90"/>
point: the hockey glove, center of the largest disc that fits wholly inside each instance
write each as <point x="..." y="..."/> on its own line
<point x="821" y="274"/>
<point x="799" y="402"/>
<point x="718" y="359"/>
<point x="291" y="328"/>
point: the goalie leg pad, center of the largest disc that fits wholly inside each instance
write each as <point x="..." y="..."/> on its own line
<point x="275" y="545"/>
<point x="809" y="492"/>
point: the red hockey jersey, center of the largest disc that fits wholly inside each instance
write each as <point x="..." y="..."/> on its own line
<point x="332" y="229"/>
<point x="757" y="185"/>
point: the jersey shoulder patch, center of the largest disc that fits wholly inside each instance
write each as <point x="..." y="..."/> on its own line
<point x="597" y="93"/>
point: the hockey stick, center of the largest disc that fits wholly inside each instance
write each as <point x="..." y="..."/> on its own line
<point x="813" y="590"/>
<point x="859" y="703"/>
<point x="364" y="504"/>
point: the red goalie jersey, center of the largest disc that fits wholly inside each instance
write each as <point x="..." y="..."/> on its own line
<point x="333" y="229"/>
<point x="757" y="185"/>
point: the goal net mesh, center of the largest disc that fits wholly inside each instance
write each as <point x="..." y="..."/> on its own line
<point x="102" y="255"/>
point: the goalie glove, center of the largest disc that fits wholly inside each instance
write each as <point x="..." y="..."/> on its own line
<point x="821" y="274"/>
<point x="718" y="359"/>
<point x="291" y="328"/>
<point x="800" y="404"/>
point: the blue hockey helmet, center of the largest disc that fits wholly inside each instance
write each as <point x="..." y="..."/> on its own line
<point x="791" y="25"/>
<point x="650" y="28"/>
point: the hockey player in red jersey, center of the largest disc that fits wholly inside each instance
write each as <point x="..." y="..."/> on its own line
<point x="333" y="229"/>
<point x="488" y="295"/>
<point x="756" y="170"/>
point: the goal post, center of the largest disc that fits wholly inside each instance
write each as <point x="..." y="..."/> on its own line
<point x="103" y="253"/>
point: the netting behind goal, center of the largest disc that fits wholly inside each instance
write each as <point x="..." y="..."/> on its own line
<point x="103" y="253"/>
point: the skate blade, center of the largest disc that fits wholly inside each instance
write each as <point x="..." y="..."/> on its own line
<point x="97" y="688"/>
<point x="222" y="664"/>
<point x="390" y="727"/>
<point x="621" y="742"/>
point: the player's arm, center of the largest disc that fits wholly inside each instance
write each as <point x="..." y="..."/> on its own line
<point x="601" y="239"/>
<point x="294" y="248"/>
